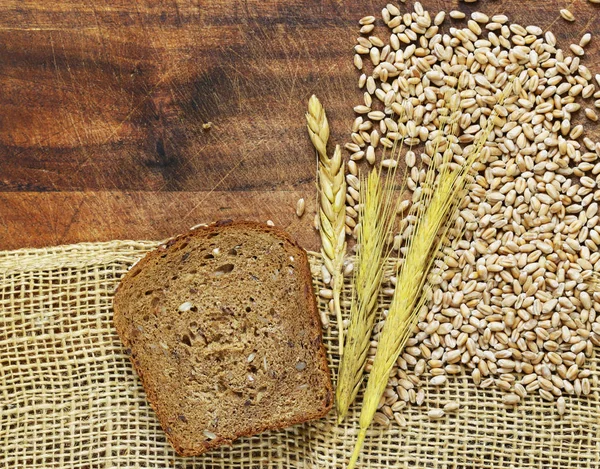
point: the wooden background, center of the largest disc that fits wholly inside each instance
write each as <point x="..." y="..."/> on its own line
<point x="102" y="105"/>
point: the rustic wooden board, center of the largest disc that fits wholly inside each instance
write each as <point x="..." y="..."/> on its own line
<point x="102" y="107"/>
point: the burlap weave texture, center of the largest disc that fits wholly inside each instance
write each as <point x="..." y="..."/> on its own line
<point x="69" y="397"/>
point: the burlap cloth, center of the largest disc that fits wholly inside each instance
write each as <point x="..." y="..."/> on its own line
<point x="70" y="399"/>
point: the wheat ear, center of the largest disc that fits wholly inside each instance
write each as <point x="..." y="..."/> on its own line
<point x="376" y="216"/>
<point x="441" y="196"/>
<point x="332" y="203"/>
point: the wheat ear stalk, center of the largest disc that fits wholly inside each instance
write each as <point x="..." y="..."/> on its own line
<point x="437" y="209"/>
<point x="332" y="203"/>
<point x="377" y="215"/>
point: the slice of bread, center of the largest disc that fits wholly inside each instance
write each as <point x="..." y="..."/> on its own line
<point x="222" y="327"/>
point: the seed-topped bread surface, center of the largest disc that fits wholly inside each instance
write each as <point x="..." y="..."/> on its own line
<point x="222" y="328"/>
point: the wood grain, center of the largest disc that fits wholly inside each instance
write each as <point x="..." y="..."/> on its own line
<point x="103" y="103"/>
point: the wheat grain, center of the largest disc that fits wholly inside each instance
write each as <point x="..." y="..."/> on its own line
<point x="353" y="168"/>
<point x="436" y="414"/>
<point x="300" y="206"/>
<point x="452" y="406"/>
<point x="438" y="20"/>
<point x="511" y="399"/>
<point x="332" y="213"/>
<point x="438" y="380"/>
<point x="392" y="9"/>
<point x="567" y="15"/>
<point x="577" y="49"/>
<point x="366" y="20"/>
<point x="585" y="39"/>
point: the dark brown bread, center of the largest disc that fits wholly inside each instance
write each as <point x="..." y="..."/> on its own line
<point x="223" y="330"/>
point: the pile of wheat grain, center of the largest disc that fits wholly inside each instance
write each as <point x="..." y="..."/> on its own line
<point x="514" y="305"/>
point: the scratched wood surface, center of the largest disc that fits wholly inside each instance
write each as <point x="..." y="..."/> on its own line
<point x="102" y="106"/>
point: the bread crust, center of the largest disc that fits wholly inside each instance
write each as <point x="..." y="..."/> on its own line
<point x="122" y="328"/>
